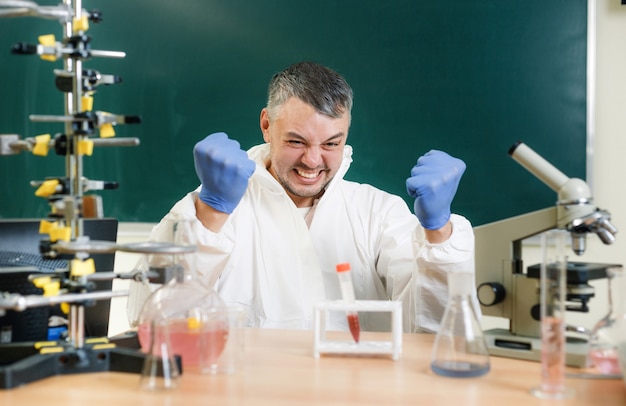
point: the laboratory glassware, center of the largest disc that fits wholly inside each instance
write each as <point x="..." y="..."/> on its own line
<point x="188" y="306"/>
<point x="217" y="354"/>
<point x="603" y="354"/>
<point x="347" y="292"/>
<point x="553" y="289"/>
<point x="460" y="349"/>
<point x="160" y="370"/>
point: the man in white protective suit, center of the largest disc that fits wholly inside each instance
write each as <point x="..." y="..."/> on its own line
<point x="273" y="222"/>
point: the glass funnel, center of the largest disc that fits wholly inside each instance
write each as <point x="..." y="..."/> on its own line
<point x="184" y="303"/>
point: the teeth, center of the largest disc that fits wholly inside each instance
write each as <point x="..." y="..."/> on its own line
<point x="307" y="175"/>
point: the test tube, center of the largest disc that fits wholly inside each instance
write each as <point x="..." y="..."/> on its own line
<point x="347" y="292"/>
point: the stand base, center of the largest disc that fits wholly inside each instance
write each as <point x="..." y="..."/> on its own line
<point x="561" y="394"/>
<point x="27" y="362"/>
<point x="502" y="343"/>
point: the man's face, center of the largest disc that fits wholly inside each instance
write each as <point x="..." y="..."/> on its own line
<point x="306" y="149"/>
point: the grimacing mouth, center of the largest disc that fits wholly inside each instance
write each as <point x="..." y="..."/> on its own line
<point x="308" y="174"/>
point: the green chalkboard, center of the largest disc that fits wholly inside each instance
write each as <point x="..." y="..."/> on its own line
<point x="467" y="77"/>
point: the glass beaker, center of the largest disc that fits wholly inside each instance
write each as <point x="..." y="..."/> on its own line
<point x="183" y="301"/>
<point x="460" y="349"/>
<point x="220" y="353"/>
<point x="603" y="354"/>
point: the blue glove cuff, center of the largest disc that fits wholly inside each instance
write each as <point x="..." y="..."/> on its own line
<point x="216" y="202"/>
<point x="432" y="223"/>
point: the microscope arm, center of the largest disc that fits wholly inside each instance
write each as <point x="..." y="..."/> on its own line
<point x="498" y="257"/>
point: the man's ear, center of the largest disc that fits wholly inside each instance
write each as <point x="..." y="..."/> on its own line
<point x="265" y="125"/>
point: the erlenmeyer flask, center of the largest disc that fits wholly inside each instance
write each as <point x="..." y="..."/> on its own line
<point x="603" y="353"/>
<point x="460" y="349"/>
<point x="183" y="302"/>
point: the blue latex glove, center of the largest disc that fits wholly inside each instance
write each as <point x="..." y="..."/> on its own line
<point x="433" y="184"/>
<point x="224" y="169"/>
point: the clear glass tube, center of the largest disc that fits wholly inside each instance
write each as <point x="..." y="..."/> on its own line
<point x="553" y="288"/>
<point x="460" y="350"/>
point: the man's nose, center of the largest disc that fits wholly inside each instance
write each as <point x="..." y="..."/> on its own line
<point x="312" y="157"/>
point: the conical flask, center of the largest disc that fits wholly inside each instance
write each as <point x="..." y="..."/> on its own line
<point x="460" y="350"/>
<point x="184" y="302"/>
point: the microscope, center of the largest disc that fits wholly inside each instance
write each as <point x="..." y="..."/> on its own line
<point x="506" y="289"/>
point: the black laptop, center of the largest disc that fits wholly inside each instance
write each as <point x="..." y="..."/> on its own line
<point x="20" y="257"/>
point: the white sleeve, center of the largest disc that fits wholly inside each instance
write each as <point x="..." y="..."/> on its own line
<point x="430" y="285"/>
<point x="208" y="261"/>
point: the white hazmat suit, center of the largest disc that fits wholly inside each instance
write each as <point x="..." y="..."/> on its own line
<point x="277" y="260"/>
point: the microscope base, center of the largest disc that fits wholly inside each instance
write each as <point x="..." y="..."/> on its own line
<point x="503" y="343"/>
<point x="27" y="362"/>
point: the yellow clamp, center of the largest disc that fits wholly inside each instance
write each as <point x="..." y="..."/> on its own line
<point x="48" y="40"/>
<point x="42" y="143"/>
<point x="47" y="188"/>
<point x="107" y="131"/>
<point x="86" y="102"/>
<point x="96" y="340"/>
<point x="42" y="344"/>
<point x="99" y="343"/>
<point x="80" y="24"/>
<point x="48" y="347"/>
<point x="85" y="147"/>
<point x="51" y="350"/>
<point x="65" y="307"/>
<point x="55" y="232"/>
<point x="50" y="286"/>
<point x="81" y="268"/>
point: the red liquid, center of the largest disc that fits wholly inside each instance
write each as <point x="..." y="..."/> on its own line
<point x="355" y="328"/>
<point x="185" y="341"/>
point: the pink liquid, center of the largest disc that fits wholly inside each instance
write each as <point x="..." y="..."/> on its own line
<point x="606" y="361"/>
<point x="552" y="354"/>
<point x="186" y="341"/>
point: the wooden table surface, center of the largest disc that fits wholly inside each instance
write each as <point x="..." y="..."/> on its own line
<point x="280" y="369"/>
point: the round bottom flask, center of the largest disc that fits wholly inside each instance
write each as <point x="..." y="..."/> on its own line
<point x="187" y="309"/>
<point x="185" y="305"/>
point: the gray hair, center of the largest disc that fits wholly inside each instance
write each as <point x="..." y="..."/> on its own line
<point x="321" y="87"/>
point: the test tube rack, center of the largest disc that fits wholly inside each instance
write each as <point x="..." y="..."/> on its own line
<point x="391" y="347"/>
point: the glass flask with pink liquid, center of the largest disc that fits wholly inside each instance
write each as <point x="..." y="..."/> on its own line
<point x="191" y="310"/>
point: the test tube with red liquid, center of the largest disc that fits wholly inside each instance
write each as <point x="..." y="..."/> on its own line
<point x="347" y="292"/>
